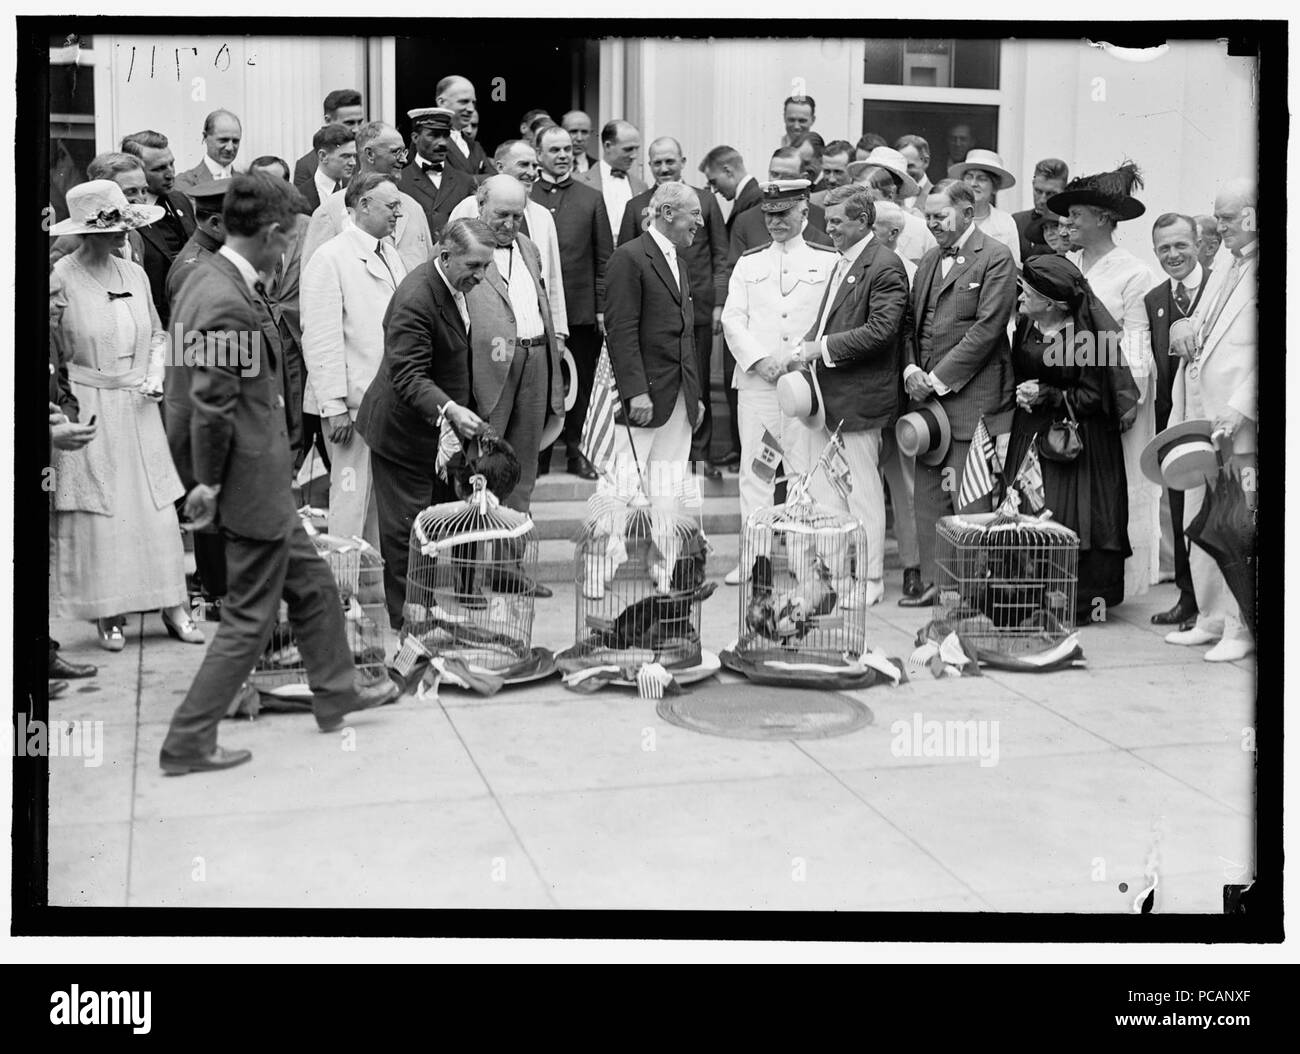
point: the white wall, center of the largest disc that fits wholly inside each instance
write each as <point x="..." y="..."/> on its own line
<point x="274" y="84"/>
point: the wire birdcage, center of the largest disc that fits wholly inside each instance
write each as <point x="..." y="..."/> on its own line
<point x="639" y="578"/>
<point x="470" y="581"/>
<point x="1007" y="582"/>
<point x="358" y="572"/>
<point x="801" y="600"/>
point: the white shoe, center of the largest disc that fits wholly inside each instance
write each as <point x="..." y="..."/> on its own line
<point x="1229" y="649"/>
<point x="875" y="591"/>
<point x="1189" y="637"/>
<point x="733" y="577"/>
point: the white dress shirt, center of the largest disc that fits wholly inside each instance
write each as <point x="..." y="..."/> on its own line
<point x="616" y="192"/>
<point x="522" y="292"/>
<point x="456" y="294"/>
<point x="842" y="268"/>
<point x="324" y="185"/>
<point x="1190" y="284"/>
<point x="462" y="144"/>
<point x="215" y="170"/>
<point x="427" y="171"/>
<point x="670" y="253"/>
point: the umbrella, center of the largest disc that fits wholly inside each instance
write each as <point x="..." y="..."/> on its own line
<point x="1225" y="528"/>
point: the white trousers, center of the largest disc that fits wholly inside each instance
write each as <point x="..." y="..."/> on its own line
<point x="353" y="511"/>
<point x="758" y="409"/>
<point x="663" y="453"/>
<point x="866" y="499"/>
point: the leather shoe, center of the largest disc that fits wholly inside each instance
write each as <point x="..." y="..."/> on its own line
<point x="731" y="459"/>
<point x="61" y="668"/>
<point x="911" y="581"/>
<point x="1176" y="615"/>
<point x="220" y="758"/>
<point x="1190" y="638"/>
<point x="582" y="468"/>
<point x="708" y="470"/>
<point x="542" y="591"/>
<point x="367" y="698"/>
<point x="928" y="597"/>
<point x="733" y="576"/>
<point x="57" y="688"/>
<point x="1229" y="649"/>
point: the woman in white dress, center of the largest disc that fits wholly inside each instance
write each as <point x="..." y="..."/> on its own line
<point x="1092" y="207"/>
<point x="985" y="174"/>
<point x="118" y="539"/>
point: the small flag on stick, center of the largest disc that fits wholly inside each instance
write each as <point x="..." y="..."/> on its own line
<point x="769" y="456"/>
<point x="977" y="476"/>
<point x="836" y="466"/>
<point x="1029" y="480"/>
<point x="598" y="429"/>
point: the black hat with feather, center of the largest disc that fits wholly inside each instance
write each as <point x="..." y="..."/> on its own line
<point x="1108" y="190"/>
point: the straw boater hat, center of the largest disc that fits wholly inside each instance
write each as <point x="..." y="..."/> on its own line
<point x="99" y="207"/>
<point x="799" y="395"/>
<point x="924" y="433"/>
<point x="986" y="161"/>
<point x="1108" y="190"/>
<point x="1181" y="457"/>
<point x="891" y="161"/>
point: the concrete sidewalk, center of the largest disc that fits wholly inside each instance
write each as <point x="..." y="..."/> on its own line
<point x="540" y="797"/>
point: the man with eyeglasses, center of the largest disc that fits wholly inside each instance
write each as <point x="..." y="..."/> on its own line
<point x="380" y="150"/>
<point x="346" y="288"/>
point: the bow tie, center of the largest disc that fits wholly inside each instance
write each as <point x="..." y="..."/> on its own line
<point x="618" y="173"/>
<point x="950" y="251"/>
<point x="118" y="296"/>
<point x="430" y="166"/>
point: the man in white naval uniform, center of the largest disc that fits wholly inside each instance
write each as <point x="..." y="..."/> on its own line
<point x="772" y="301"/>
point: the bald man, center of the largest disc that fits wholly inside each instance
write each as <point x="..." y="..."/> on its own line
<point x="456" y="94"/>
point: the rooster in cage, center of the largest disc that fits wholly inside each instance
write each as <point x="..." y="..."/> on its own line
<point x="791" y="615"/>
<point x="1004" y="589"/>
<point x="654" y="620"/>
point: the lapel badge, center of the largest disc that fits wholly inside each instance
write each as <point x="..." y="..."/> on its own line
<point x="279" y="400"/>
<point x="1160" y="312"/>
<point x="961" y="259"/>
<point x="851" y="279"/>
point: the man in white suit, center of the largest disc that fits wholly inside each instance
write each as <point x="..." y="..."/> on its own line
<point x="346" y="288"/>
<point x="1221" y="382"/>
<point x="379" y="149"/>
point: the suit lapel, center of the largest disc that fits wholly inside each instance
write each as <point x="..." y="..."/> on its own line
<point x="154" y="237"/>
<point x="446" y="304"/>
<point x="854" y="276"/>
<point x="661" y="266"/>
<point x="965" y="260"/>
<point x="261" y="311"/>
<point x="1240" y="297"/>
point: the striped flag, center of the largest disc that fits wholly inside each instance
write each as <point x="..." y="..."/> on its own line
<point x="977" y="476"/>
<point x="598" y="429"/>
<point x="836" y="466"/>
<point x="769" y="456"/>
<point x="1029" y="479"/>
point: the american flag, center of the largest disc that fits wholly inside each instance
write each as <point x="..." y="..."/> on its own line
<point x="1029" y="479"/>
<point x="977" y="477"/>
<point x="598" y="429"/>
<point x="836" y="466"/>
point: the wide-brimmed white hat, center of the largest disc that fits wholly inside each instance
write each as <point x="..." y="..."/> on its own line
<point x="99" y="207"/>
<point x="892" y="161"/>
<point x="924" y="433"/>
<point x="799" y="395"/>
<point x="988" y="161"/>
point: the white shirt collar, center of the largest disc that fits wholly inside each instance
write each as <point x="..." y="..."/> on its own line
<point x="741" y="186"/>
<point x="607" y="173"/>
<point x="324" y="185"/>
<point x="966" y="234"/>
<point x="665" y="246"/>
<point x="246" y="269"/>
<point x="1192" y="282"/>
<point x="1249" y="251"/>
<point x="855" y="250"/>
<point x="437" y="266"/>
<point x="215" y="170"/>
<point x="791" y="244"/>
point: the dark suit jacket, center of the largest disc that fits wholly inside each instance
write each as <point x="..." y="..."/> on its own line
<point x="476" y="164"/>
<point x="307" y="188"/>
<point x="864" y="336"/>
<point x="437" y="202"/>
<point x="1030" y="224"/>
<point x="426" y="362"/>
<point x="582" y="226"/>
<point x="970" y="351"/>
<point x="158" y="256"/>
<point x="650" y="330"/>
<point x="706" y="259"/>
<point x="224" y="427"/>
<point x="305" y="167"/>
<point x="1162" y="312"/>
<point x="747" y="199"/>
<point x="60" y="388"/>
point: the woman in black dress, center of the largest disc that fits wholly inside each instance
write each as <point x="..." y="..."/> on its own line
<point x="1067" y="347"/>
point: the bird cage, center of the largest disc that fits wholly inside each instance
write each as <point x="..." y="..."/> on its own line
<point x="358" y="572"/>
<point x="801" y="600"/>
<point x="470" y="581"/>
<point x="1007" y="583"/>
<point x="639" y="576"/>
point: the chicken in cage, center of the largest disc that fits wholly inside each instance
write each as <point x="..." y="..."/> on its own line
<point x="800" y="601"/>
<point x="471" y="582"/>
<point x="1007" y="583"/>
<point x="639" y="584"/>
<point x="358" y="572"/>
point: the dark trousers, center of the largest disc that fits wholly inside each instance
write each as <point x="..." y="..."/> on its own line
<point x="729" y="368"/>
<point x="259" y="574"/>
<point x="584" y="344"/>
<point x="1182" y="567"/>
<point x="702" y="438"/>
<point x="210" y="562"/>
<point x="402" y="492"/>
<point x="312" y="435"/>
<point x="937" y="487"/>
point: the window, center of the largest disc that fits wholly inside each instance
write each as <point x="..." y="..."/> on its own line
<point x="72" y="116"/>
<point x="932" y="63"/>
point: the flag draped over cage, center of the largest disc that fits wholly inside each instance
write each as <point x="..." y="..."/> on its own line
<point x="470" y="585"/>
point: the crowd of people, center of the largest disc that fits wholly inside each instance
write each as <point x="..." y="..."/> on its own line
<point x="400" y="292"/>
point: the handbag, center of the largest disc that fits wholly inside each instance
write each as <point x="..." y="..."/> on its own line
<point x="1062" y="441"/>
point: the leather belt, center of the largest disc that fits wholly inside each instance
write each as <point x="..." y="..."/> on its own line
<point x="531" y="342"/>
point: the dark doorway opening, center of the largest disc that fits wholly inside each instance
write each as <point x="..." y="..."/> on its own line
<point x="510" y="76"/>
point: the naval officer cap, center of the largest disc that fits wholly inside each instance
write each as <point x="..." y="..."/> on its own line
<point x="431" y="117"/>
<point x="781" y="195"/>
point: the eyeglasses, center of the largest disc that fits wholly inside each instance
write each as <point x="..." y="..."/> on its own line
<point x="394" y="208"/>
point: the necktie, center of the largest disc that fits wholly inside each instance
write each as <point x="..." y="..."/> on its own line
<point x="118" y="296"/>
<point x="379" y="251"/>
<point x="1181" y="298"/>
<point x="259" y="287"/>
<point x="837" y="277"/>
<point x="338" y="185"/>
<point x="950" y="251"/>
<point x="618" y="173"/>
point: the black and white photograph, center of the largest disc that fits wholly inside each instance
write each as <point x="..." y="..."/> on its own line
<point x="686" y="467"/>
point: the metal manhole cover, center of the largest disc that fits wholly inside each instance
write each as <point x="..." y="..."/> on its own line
<point x="748" y="711"/>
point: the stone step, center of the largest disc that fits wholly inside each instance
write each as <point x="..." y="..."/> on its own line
<point x="558" y="485"/>
<point x="564" y="519"/>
